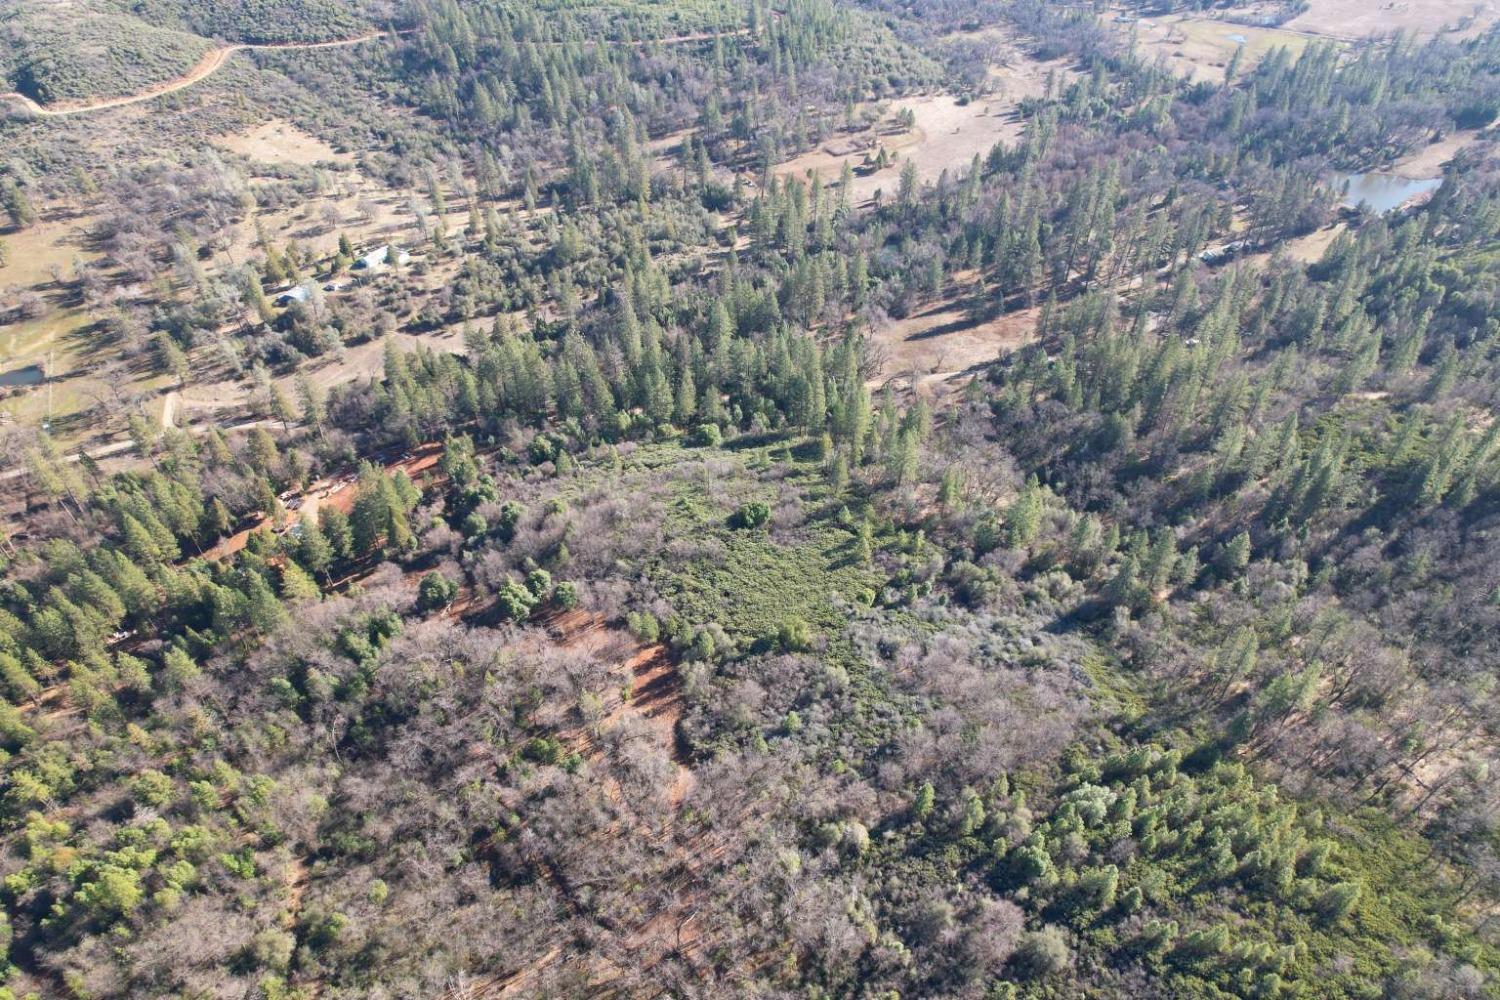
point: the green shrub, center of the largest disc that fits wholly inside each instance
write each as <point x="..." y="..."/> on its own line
<point x="754" y="514"/>
<point x="514" y="602"/>
<point x="1042" y="953"/>
<point x="435" y="591"/>
<point x="152" y="788"/>
<point x="794" y="636"/>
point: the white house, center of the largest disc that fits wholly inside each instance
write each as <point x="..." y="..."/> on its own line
<point x="380" y="257"/>
<point x="300" y="293"/>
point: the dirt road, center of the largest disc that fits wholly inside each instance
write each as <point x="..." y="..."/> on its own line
<point x="215" y="58"/>
<point x="210" y="63"/>
<point x="120" y="447"/>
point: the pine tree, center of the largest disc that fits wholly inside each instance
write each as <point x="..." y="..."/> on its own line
<point x="263" y="454"/>
<point x="906" y="192"/>
<point x="902" y="459"/>
<point x="19" y="682"/>
<point x="311" y="398"/>
<point x="1236" y="556"/>
<point x="17" y="204"/>
<point x="217" y="520"/>
<point x="139" y="543"/>
<point x="1023" y="518"/>
<point x="264" y="611"/>
<point x="281" y="407"/>
<point x="173" y="359"/>
<point x="335" y="525"/>
<point x="178" y="667"/>
<point x="296" y="585"/>
<point x="142" y="435"/>
<point x="314" y="551"/>
<point x="373" y="503"/>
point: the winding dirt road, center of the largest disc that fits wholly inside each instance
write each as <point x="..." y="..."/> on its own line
<point x="210" y="63"/>
<point x="215" y="58"/>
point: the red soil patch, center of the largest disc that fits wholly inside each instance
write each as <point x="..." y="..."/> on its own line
<point x="335" y="491"/>
<point x="648" y="672"/>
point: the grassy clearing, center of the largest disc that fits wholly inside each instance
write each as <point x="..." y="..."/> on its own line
<point x="945" y="339"/>
<point x="752" y="581"/>
<point x="30" y="341"/>
<point x="754" y="584"/>
<point x="948" y="132"/>
<point x="1359" y="18"/>
<point x="281" y="142"/>
<point x="36" y="250"/>
<point x="1200" y="48"/>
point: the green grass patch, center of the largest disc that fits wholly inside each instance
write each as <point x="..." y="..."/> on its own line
<point x="753" y="583"/>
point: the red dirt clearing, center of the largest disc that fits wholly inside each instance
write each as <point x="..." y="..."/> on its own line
<point x="337" y="491"/>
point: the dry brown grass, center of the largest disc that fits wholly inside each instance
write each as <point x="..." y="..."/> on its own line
<point x="1363" y="18"/>
<point x="943" y="341"/>
<point x="282" y="142"/>
<point x="1431" y="159"/>
<point x="948" y="133"/>
<point x="1200" y="48"/>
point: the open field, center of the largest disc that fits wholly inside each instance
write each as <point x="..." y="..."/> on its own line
<point x="1310" y="248"/>
<point x="1430" y="160"/>
<point x="1200" y="48"/>
<point x="1358" y="19"/>
<point x="948" y="134"/>
<point x="58" y="342"/>
<point x="943" y="340"/>
<point x="317" y="222"/>
<point x="283" y="143"/>
<point x="52" y="243"/>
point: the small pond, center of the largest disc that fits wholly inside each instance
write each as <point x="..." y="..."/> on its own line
<point x="30" y="375"/>
<point x="1383" y="192"/>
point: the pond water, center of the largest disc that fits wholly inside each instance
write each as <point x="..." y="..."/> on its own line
<point x="1383" y="192"/>
<point x="30" y="375"/>
<point x="1237" y="38"/>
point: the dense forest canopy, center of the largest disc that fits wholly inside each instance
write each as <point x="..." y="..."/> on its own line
<point x="632" y="498"/>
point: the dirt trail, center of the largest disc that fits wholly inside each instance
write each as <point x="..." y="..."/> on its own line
<point x="215" y="58"/>
<point x="210" y="63"/>
<point x="120" y="447"/>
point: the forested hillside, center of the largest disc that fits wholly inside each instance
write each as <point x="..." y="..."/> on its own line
<point x="54" y="51"/>
<point x="809" y="499"/>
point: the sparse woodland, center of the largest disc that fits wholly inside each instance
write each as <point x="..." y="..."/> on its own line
<point x="658" y="637"/>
